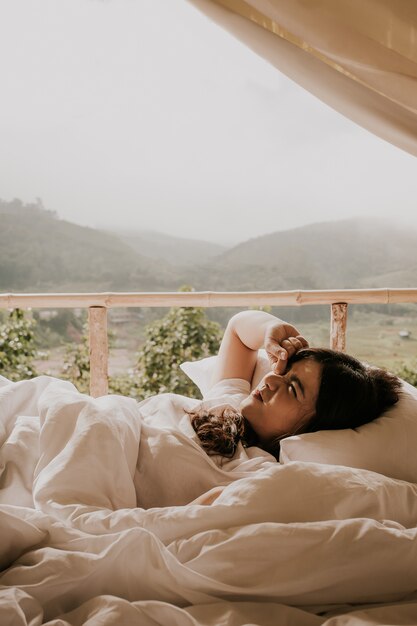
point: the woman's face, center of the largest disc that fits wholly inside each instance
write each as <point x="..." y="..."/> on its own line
<point x="281" y="405"/>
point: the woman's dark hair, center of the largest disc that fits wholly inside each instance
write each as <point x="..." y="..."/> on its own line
<point x="350" y="394"/>
<point x="219" y="430"/>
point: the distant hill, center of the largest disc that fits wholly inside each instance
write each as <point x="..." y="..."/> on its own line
<point x="38" y="251"/>
<point x="346" y="254"/>
<point x="175" y="250"/>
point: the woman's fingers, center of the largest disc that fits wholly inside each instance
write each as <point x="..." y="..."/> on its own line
<point x="303" y="341"/>
<point x="276" y="352"/>
<point x="290" y="346"/>
<point x="282" y="341"/>
<point x="280" y="366"/>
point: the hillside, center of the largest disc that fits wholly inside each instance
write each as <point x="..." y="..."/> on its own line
<point x="175" y="250"/>
<point x="346" y="254"/>
<point x="38" y="251"/>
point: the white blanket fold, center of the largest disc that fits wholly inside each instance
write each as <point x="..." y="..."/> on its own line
<point x="88" y="452"/>
<point x="301" y="534"/>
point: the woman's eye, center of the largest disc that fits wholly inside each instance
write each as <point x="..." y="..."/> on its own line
<point x="293" y="389"/>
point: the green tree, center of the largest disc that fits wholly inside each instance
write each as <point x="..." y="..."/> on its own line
<point x="184" y="334"/>
<point x="17" y="346"/>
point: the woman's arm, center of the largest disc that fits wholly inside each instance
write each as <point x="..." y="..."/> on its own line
<point x="248" y="331"/>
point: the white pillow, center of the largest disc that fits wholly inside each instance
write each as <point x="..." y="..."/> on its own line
<point x="200" y="372"/>
<point x="387" y="445"/>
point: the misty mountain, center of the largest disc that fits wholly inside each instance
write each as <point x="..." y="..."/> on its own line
<point x="174" y="250"/>
<point x="356" y="253"/>
<point x="38" y="251"/>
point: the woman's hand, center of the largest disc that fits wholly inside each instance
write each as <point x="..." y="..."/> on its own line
<point x="281" y="342"/>
<point x="248" y="331"/>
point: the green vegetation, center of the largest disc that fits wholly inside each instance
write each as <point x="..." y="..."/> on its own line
<point x="40" y="252"/>
<point x="184" y="334"/>
<point x="187" y="334"/>
<point x="17" y="346"/>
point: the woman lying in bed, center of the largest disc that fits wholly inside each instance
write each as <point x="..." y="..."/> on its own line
<point x="168" y="450"/>
<point x="308" y="389"/>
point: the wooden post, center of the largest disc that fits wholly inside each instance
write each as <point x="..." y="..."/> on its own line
<point x="338" y="323"/>
<point x="97" y="325"/>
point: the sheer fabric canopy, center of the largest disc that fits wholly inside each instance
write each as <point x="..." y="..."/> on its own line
<point x="358" y="56"/>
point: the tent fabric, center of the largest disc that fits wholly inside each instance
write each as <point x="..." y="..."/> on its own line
<point x="358" y="56"/>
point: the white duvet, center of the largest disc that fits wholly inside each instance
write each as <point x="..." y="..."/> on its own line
<point x="297" y="544"/>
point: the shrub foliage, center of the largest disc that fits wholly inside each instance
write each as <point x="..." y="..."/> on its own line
<point x="17" y="346"/>
<point x="184" y="334"/>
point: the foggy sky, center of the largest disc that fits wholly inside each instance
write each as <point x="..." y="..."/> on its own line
<point x="143" y="114"/>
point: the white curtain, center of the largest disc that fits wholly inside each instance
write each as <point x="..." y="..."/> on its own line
<point x="358" y="56"/>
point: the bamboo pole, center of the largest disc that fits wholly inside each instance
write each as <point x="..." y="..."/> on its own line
<point x="207" y="298"/>
<point x="338" y="322"/>
<point x="97" y="326"/>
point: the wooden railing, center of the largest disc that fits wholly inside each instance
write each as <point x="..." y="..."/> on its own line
<point x="98" y="303"/>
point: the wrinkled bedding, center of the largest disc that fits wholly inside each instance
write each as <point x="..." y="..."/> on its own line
<point x="297" y="544"/>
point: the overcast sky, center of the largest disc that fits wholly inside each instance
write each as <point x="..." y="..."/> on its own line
<point x="143" y="114"/>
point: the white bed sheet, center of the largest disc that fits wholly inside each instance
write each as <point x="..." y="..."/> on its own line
<point x="298" y="544"/>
